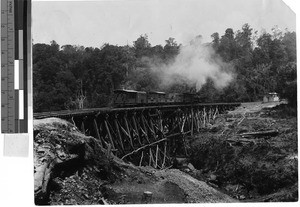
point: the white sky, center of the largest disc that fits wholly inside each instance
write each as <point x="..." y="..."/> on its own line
<point x="93" y="23"/>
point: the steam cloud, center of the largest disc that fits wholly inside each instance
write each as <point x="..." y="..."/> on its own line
<point x="194" y="64"/>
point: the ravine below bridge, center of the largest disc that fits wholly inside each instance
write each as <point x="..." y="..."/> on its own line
<point x="151" y="135"/>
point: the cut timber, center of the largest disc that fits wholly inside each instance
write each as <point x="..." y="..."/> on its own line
<point x="240" y="140"/>
<point x="141" y="160"/>
<point x="165" y="154"/>
<point x="97" y="131"/>
<point x="143" y="147"/>
<point x="109" y="134"/>
<point x="271" y="133"/>
<point x="119" y="134"/>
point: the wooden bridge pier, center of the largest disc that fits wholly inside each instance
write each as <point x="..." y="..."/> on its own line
<point x="146" y="136"/>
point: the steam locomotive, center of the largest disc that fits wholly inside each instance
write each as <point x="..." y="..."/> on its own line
<point x="126" y="98"/>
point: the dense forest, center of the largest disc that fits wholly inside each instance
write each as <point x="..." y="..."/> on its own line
<point x="234" y="67"/>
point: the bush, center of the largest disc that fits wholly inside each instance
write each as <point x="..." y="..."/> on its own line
<point x="256" y="167"/>
<point x="290" y="93"/>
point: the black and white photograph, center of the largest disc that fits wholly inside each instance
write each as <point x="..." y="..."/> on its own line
<point x="164" y="101"/>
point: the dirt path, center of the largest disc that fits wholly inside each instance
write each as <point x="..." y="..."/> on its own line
<point x="195" y="190"/>
<point x="166" y="186"/>
<point x="253" y="107"/>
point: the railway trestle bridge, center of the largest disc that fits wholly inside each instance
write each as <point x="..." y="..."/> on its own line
<point x="150" y="135"/>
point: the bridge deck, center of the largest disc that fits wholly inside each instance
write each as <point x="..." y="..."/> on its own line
<point x="90" y="111"/>
<point x="148" y="135"/>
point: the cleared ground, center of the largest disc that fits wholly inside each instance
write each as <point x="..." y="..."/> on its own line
<point x="250" y="153"/>
<point x="227" y="163"/>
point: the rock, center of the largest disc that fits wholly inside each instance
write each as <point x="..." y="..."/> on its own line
<point x="187" y="170"/>
<point x="212" y="177"/>
<point x="191" y="167"/>
<point x="242" y="197"/>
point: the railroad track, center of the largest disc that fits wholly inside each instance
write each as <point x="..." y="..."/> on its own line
<point x="148" y="135"/>
<point x="104" y="110"/>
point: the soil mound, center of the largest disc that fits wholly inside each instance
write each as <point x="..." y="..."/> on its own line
<point x="71" y="168"/>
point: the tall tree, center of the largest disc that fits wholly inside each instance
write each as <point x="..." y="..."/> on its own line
<point x="171" y="49"/>
<point x="243" y="41"/>
<point x="287" y="82"/>
<point x="142" y="46"/>
<point x="261" y="54"/>
<point x="215" y="41"/>
<point x="289" y="42"/>
<point x="227" y="48"/>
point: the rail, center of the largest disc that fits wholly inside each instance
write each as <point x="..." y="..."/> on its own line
<point x="90" y="111"/>
<point x="149" y="135"/>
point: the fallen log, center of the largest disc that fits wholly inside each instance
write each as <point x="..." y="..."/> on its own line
<point x="143" y="147"/>
<point x="240" y="141"/>
<point x="271" y="133"/>
<point x="154" y="143"/>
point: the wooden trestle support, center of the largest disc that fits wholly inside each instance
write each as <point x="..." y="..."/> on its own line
<point x="148" y="136"/>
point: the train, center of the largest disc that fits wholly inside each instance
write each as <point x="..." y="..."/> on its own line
<point x="127" y="98"/>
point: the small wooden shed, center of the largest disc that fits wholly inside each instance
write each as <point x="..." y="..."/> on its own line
<point x="271" y="97"/>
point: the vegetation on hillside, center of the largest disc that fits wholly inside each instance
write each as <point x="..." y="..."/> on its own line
<point x="71" y="76"/>
<point x="253" y="168"/>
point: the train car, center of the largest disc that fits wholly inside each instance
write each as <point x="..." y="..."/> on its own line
<point x="127" y="98"/>
<point x="124" y="97"/>
<point x="175" y="98"/>
<point x="154" y="97"/>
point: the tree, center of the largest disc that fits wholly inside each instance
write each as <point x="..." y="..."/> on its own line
<point x="287" y="83"/>
<point x="46" y="65"/>
<point x="261" y="54"/>
<point x="208" y="92"/>
<point x="289" y="42"/>
<point x="215" y="41"/>
<point x="171" y="49"/>
<point x="243" y="42"/>
<point x="142" y="46"/>
<point x="128" y="59"/>
<point x="267" y="65"/>
<point x="278" y="53"/>
<point x="235" y="92"/>
<point x="227" y="48"/>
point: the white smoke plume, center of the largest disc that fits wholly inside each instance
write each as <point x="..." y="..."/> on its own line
<point x="194" y="64"/>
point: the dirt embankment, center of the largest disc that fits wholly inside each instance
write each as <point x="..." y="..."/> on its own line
<point x="250" y="153"/>
<point x="71" y="168"/>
